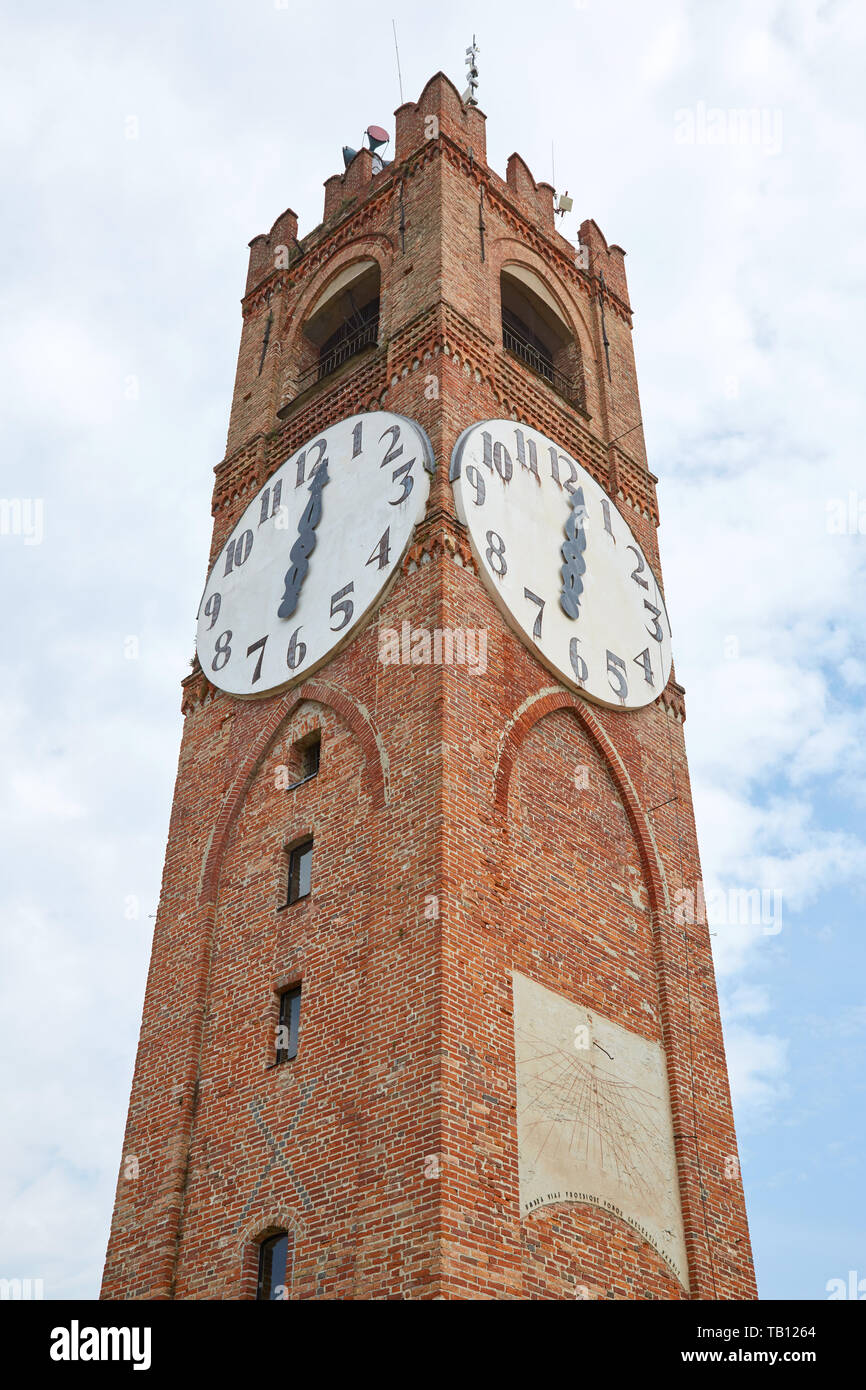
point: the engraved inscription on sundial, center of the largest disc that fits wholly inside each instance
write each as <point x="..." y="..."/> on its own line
<point x="593" y="1118"/>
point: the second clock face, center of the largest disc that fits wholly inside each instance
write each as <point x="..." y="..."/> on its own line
<point x="312" y="553"/>
<point x="562" y="563"/>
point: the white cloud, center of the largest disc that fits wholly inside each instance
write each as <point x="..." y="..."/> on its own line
<point x="37" y="797"/>
<point x="748" y="1001"/>
<point x="664" y="53"/>
<point x="757" y="1064"/>
<point x="853" y="671"/>
<point x="55" y="371"/>
<point x="849" y="1022"/>
<point x="59" y="1146"/>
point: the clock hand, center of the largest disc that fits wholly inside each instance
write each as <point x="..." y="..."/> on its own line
<point x="305" y="543"/>
<point x="572" y="554"/>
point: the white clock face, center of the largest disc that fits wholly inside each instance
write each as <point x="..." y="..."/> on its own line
<point x="562" y="563"/>
<point x="312" y="553"/>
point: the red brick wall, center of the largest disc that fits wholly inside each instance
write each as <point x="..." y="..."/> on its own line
<point x="451" y="844"/>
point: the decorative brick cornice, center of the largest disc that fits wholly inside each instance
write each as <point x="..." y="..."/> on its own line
<point x="523" y="396"/>
<point x="259" y="298"/>
<point x="236" y="474"/>
<point x="611" y="300"/>
<point x="439" y="535"/>
<point x="357" y="387"/>
<point x="673" y="700"/>
<point x="363" y="385"/>
<point x="634" y="484"/>
<point x="197" y="689"/>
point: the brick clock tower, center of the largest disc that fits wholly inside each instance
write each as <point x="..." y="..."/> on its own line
<point x="427" y="1014"/>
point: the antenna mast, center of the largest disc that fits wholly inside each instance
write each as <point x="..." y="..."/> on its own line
<point x="397" y="51"/>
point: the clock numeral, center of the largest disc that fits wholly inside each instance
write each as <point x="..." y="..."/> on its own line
<point x="243" y="547"/>
<point x="212" y="609"/>
<point x="644" y="660"/>
<point x="342" y="605"/>
<point x="496" y="456"/>
<point x="522" y="446"/>
<point x="639" y="567"/>
<point x="382" y="551"/>
<point x="396" y="449"/>
<point x="296" y="651"/>
<point x="578" y="665"/>
<point x="616" y="668"/>
<point x="656" y="630"/>
<point x="222" y="649"/>
<point x="404" y="474"/>
<point x="238" y="552"/>
<point x="555" y="459"/>
<point x="322" y="446"/>
<point x="487" y="450"/>
<point x="266" y="502"/>
<point x="476" y="481"/>
<point x="502" y="461"/>
<point x="260" y="648"/>
<point x="536" y="626"/>
<point x="495" y="554"/>
<point x="605" y="511"/>
<point x="356" y="439"/>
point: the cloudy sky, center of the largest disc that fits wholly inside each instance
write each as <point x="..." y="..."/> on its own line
<point x="143" y="148"/>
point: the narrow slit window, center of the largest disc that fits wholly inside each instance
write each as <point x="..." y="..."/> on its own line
<point x="300" y="872"/>
<point x="289" y="1025"/>
<point x="310" y="757"/>
<point x="273" y="1263"/>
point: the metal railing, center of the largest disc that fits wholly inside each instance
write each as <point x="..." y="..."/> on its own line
<point x="336" y="356"/>
<point x="569" y="387"/>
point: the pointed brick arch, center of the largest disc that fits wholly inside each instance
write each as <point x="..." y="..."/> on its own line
<point x="666" y="950"/>
<point x="509" y="251"/>
<point x="374" y="246"/>
<point x="353" y="714"/>
<point x="547" y="701"/>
